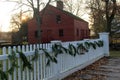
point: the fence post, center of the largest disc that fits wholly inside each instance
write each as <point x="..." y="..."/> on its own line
<point x="105" y="37"/>
<point x="58" y="42"/>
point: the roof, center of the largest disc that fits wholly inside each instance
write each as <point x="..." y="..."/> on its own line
<point x="74" y="16"/>
<point x="66" y="12"/>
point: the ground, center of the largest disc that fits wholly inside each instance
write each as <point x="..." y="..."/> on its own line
<point x="104" y="69"/>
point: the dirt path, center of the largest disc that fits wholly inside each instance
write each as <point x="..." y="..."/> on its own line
<point x="104" y="69"/>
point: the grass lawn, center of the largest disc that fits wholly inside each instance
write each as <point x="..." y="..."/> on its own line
<point x="0" y="51"/>
<point x="115" y="53"/>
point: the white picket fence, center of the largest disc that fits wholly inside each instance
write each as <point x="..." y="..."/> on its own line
<point x="66" y="64"/>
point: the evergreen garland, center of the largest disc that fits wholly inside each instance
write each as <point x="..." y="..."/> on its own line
<point x="49" y="57"/>
<point x="101" y="43"/>
<point x="97" y="43"/>
<point x="35" y="57"/>
<point x="72" y="50"/>
<point x="93" y="45"/>
<point x="25" y="61"/>
<point x="56" y="49"/>
<point x="3" y="75"/>
<point x="81" y="49"/>
<point x="13" y="59"/>
<point x="87" y="45"/>
<point x="64" y="50"/>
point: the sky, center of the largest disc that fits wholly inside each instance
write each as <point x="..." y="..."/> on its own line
<point x="6" y="11"/>
<point x="5" y="14"/>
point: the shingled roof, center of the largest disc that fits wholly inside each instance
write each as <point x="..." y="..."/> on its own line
<point x="66" y="12"/>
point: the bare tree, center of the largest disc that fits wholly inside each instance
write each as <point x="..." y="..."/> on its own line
<point x="35" y="7"/>
<point x="97" y="15"/>
<point x="75" y="6"/>
<point x="110" y="13"/>
<point x="0" y="31"/>
<point x="37" y="16"/>
<point x="102" y="14"/>
<point x="115" y="27"/>
<point x="19" y="28"/>
<point x="16" y="21"/>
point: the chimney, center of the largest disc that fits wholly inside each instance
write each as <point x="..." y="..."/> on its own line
<point x="60" y="4"/>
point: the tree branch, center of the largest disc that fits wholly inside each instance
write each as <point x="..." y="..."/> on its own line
<point x="113" y="12"/>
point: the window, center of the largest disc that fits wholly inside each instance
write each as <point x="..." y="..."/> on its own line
<point x="82" y="34"/>
<point x="86" y="33"/>
<point x="61" y="33"/>
<point x="77" y="32"/>
<point x="37" y="33"/>
<point x="58" y="19"/>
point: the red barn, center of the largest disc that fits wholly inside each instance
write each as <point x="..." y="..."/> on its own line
<point x="58" y="24"/>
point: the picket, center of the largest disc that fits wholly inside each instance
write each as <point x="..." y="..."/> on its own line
<point x="9" y="62"/>
<point x="66" y="64"/>
<point x="19" y="63"/>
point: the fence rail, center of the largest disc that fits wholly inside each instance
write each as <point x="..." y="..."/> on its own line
<point x="65" y="64"/>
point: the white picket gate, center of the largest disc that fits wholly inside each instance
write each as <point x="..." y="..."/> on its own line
<point x="66" y="64"/>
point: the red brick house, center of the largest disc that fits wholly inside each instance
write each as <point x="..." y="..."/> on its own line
<point x="58" y="24"/>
